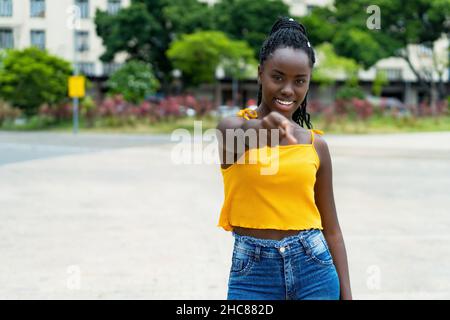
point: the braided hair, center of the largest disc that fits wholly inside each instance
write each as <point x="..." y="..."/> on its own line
<point x="286" y="32"/>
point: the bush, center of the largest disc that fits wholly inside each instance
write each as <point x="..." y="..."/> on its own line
<point x="31" y="77"/>
<point x="353" y="108"/>
<point x="116" y="111"/>
<point x="349" y="92"/>
<point x="59" y="112"/>
<point x="134" y="80"/>
<point x="8" y="113"/>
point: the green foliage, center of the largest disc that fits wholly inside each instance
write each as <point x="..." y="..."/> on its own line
<point x="197" y="55"/>
<point x="136" y="31"/>
<point x="134" y="80"/>
<point x="248" y="20"/>
<point x="87" y="104"/>
<point x="187" y="16"/>
<point x="345" y="26"/>
<point x="379" y="82"/>
<point x="329" y="64"/>
<point x="32" y="77"/>
<point x="358" y="45"/>
<point x="320" y="26"/>
<point x="145" y="29"/>
<point x="348" y="92"/>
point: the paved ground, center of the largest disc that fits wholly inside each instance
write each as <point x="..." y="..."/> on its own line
<point x="114" y="217"/>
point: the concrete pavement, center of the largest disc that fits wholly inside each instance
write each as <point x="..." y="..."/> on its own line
<point x="113" y="217"/>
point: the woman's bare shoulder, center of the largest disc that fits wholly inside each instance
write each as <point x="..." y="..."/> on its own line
<point x="230" y="122"/>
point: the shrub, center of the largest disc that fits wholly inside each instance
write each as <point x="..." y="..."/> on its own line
<point x="349" y="92"/>
<point x="8" y="113"/>
<point x="31" y="77"/>
<point x="134" y="80"/>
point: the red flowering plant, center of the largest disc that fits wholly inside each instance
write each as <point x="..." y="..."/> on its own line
<point x="362" y="107"/>
<point x="8" y="113"/>
<point x="59" y="112"/>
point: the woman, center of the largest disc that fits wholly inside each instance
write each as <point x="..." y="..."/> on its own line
<point x="288" y="242"/>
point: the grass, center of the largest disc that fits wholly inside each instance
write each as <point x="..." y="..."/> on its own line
<point x="376" y="124"/>
<point x="379" y="124"/>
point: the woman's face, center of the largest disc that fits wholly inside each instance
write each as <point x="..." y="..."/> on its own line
<point x="284" y="77"/>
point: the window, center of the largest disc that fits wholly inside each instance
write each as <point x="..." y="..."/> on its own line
<point x="38" y="39"/>
<point x="393" y="73"/>
<point x="86" y="68"/>
<point x="109" y="68"/>
<point x="83" y="5"/>
<point x="310" y="8"/>
<point x="37" y="8"/>
<point x="6" y="8"/>
<point x="82" y="41"/>
<point x="424" y="51"/>
<point x="113" y="6"/>
<point x="6" y="39"/>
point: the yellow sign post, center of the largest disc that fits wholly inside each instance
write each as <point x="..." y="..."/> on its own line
<point x="76" y="86"/>
<point x="76" y="90"/>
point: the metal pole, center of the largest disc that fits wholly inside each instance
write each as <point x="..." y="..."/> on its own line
<point x="75" y="73"/>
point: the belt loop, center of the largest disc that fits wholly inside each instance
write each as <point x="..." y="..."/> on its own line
<point x="305" y="245"/>
<point x="257" y="252"/>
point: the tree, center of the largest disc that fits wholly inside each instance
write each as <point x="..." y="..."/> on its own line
<point x="32" y="77"/>
<point x="187" y="16"/>
<point x="248" y="20"/>
<point x="401" y="24"/>
<point x="329" y="64"/>
<point x="145" y="29"/>
<point x="134" y="80"/>
<point x="197" y="55"/>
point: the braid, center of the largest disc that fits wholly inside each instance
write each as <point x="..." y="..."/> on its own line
<point x="287" y="32"/>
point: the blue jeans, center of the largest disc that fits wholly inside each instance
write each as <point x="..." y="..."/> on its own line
<point x="298" y="267"/>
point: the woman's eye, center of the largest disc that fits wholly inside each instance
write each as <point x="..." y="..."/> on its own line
<point x="277" y="78"/>
<point x="300" y="81"/>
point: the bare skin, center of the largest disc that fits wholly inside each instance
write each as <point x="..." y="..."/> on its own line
<point x="285" y="76"/>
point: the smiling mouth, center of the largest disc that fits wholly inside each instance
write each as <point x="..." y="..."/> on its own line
<point x="284" y="104"/>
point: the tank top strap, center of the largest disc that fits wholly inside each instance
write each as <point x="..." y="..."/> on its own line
<point x="247" y="113"/>
<point x="315" y="131"/>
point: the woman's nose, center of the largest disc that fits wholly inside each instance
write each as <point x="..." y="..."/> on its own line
<point x="287" y="91"/>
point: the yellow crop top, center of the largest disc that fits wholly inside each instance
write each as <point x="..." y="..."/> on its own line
<point x="272" y="187"/>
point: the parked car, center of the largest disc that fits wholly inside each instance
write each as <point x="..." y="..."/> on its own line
<point x="388" y="104"/>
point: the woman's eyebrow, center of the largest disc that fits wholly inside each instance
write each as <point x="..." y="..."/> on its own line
<point x="298" y="75"/>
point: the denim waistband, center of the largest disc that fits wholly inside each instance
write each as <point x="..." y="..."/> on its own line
<point x="275" y="243"/>
<point x="301" y="242"/>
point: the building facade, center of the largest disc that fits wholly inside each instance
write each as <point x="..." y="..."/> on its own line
<point x="65" y="28"/>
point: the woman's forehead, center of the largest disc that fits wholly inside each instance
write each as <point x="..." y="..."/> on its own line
<point x="289" y="60"/>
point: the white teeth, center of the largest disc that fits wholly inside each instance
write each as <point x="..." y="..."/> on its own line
<point x="284" y="102"/>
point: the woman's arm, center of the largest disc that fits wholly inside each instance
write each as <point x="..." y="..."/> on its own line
<point x="323" y="193"/>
